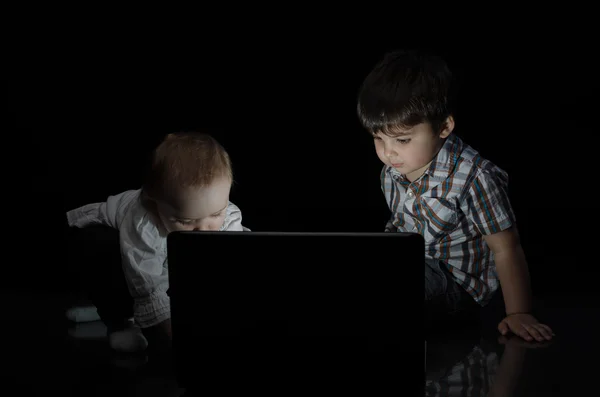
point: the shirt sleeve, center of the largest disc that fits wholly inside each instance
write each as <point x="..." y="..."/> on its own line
<point x="108" y="213"/>
<point x="486" y="203"/>
<point x="233" y="220"/>
<point x="144" y="264"/>
<point x="148" y="275"/>
<point x="390" y="227"/>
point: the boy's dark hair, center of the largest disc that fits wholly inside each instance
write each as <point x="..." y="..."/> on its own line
<point x="406" y="88"/>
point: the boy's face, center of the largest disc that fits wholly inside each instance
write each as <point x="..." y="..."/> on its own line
<point x="196" y="208"/>
<point x="412" y="151"/>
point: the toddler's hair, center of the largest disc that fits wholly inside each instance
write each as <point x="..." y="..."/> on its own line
<point x="188" y="159"/>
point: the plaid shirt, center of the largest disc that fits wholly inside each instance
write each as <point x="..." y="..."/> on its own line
<point x="459" y="199"/>
<point x="472" y="376"/>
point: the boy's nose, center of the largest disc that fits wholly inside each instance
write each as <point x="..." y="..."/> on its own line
<point x="390" y="154"/>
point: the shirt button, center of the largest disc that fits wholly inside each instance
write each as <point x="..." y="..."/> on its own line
<point x="410" y="194"/>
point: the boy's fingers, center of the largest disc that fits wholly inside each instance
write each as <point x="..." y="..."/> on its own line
<point x="548" y="329"/>
<point x="546" y="334"/>
<point x="503" y="328"/>
<point x="524" y="333"/>
<point x="533" y="331"/>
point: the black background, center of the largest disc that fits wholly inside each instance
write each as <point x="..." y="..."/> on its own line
<point x="86" y="108"/>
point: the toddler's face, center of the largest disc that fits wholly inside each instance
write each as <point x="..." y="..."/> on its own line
<point x="196" y="208"/>
<point x="412" y="152"/>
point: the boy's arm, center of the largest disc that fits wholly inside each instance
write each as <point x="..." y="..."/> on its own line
<point x="512" y="269"/>
<point x="488" y="207"/>
<point x="386" y="183"/>
<point x="514" y="278"/>
<point x="508" y="372"/>
<point x="389" y="226"/>
<point x="106" y="213"/>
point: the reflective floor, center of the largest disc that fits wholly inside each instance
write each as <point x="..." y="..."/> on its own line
<point x="45" y="354"/>
<point x="492" y="365"/>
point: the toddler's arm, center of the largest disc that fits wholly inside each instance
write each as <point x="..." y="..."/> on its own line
<point x="233" y="220"/>
<point x="144" y="265"/>
<point x="107" y="213"/>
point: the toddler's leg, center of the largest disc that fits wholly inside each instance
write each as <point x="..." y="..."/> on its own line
<point x="127" y="337"/>
<point x="97" y="261"/>
<point x="161" y="345"/>
<point x="83" y="313"/>
<point x="98" y="264"/>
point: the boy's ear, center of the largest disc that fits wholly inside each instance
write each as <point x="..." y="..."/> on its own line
<point x="447" y="127"/>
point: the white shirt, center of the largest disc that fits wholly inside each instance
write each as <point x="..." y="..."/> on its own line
<point x="143" y="249"/>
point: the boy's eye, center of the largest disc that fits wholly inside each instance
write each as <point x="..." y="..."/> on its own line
<point x="403" y="141"/>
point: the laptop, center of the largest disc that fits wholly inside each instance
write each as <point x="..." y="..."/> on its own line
<point x="282" y="309"/>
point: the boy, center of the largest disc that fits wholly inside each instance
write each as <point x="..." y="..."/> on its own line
<point x="438" y="186"/>
<point x="187" y="189"/>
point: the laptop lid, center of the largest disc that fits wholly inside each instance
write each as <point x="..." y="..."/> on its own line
<point x="286" y="303"/>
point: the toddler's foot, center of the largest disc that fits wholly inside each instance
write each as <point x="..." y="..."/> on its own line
<point x="128" y="340"/>
<point x="94" y="330"/>
<point x="83" y="314"/>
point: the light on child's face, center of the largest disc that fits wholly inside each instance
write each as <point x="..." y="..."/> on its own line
<point x="210" y="223"/>
<point x="409" y="151"/>
<point x="392" y="150"/>
<point x="202" y="208"/>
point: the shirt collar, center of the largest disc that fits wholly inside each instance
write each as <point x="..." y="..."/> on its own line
<point x="446" y="160"/>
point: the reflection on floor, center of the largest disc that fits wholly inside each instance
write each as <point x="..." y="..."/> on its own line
<point x="47" y="354"/>
<point x="498" y="366"/>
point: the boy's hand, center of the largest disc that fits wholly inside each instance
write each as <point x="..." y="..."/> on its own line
<point x="526" y="326"/>
<point x="519" y="343"/>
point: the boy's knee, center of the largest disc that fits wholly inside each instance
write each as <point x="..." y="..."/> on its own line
<point x="436" y="283"/>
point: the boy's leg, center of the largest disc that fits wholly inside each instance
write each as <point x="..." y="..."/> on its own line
<point x="443" y="295"/>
